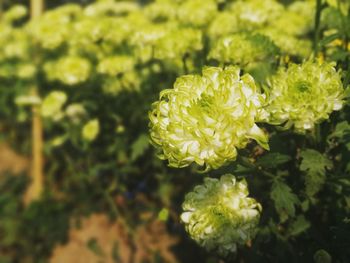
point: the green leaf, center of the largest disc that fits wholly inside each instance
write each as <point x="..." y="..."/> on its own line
<point x="341" y="133"/>
<point x="298" y="226"/>
<point x="314" y="161"/>
<point x="328" y="39"/>
<point x="273" y="160"/>
<point x="284" y="199"/>
<point x="139" y="146"/>
<point x="314" y="164"/>
<point x="341" y="130"/>
<point x="339" y="55"/>
<point x="163" y="215"/>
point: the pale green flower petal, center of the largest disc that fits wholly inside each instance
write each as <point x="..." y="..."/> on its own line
<point x="28" y="100"/>
<point x="243" y="49"/>
<point x="75" y="112"/>
<point x="253" y="14"/>
<point x="304" y="95"/>
<point x="71" y="70"/>
<point x="91" y="129"/>
<point x="219" y="215"/>
<point x="26" y="71"/>
<point x="259" y="136"/>
<point x="52" y="104"/>
<point x="114" y="65"/>
<point x="197" y="12"/>
<point x="14" y="13"/>
<point x="288" y="44"/>
<point x="204" y="119"/>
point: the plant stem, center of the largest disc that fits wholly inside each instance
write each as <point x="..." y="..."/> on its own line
<point x="247" y="164"/>
<point x="36" y="188"/>
<point x="1" y="7"/>
<point x="317" y="26"/>
<point x="317" y="134"/>
<point x="36" y="8"/>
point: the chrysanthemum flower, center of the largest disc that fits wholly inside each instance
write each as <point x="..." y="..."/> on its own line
<point x="253" y="14"/>
<point x="115" y="65"/>
<point x="304" y="95"/>
<point x="52" y="104"/>
<point x="197" y="13"/>
<point x="204" y="119"/>
<point x="288" y="44"/>
<point x="14" y="13"/>
<point x="75" y="112"/>
<point x="72" y="70"/>
<point x="219" y="215"/>
<point x="223" y="24"/>
<point x="54" y="27"/>
<point x="244" y="49"/>
<point x="90" y="130"/>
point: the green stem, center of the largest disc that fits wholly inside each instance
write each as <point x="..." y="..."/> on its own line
<point x="345" y="39"/>
<point x="184" y="64"/>
<point x="317" y="134"/>
<point x="1" y="7"/>
<point x="317" y="25"/>
<point x="242" y="161"/>
<point x="347" y="78"/>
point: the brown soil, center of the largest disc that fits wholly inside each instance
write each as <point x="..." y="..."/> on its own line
<point x="12" y="162"/>
<point x="109" y="243"/>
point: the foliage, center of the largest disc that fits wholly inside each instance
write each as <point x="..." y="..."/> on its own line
<point x="99" y="68"/>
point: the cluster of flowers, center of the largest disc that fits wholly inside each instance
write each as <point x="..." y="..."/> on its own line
<point x="205" y="119"/>
<point x="113" y="47"/>
<point x="118" y="45"/>
<point x="113" y="40"/>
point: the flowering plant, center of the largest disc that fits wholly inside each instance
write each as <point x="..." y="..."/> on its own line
<point x="205" y="118"/>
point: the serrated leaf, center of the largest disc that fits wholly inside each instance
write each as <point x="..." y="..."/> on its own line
<point x="284" y="199"/>
<point x="314" y="164"/>
<point x="314" y="161"/>
<point x="298" y="226"/>
<point x="314" y="183"/>
<point x="342" y="134"/>
<point x="273" y="160"/>
<point x="139" y="146"/>
<point x="341" y="130"/>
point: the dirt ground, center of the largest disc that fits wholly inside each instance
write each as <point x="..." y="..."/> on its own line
<point x="12" y="162"/>
<point x="97" y="239"/>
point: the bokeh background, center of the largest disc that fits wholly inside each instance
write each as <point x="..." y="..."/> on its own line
<point x="89" y="71"/>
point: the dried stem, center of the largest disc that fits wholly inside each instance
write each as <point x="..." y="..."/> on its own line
<point x="35" y="190"/>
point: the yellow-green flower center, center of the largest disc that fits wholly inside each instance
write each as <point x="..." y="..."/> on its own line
<point x="205" y="102"/>
<point x="303" y="86"/>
